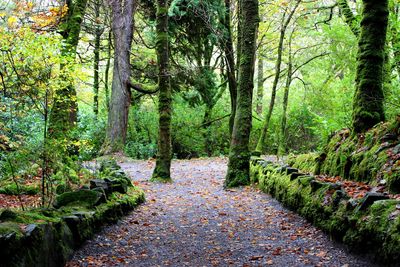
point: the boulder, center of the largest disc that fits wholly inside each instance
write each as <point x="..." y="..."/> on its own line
<point x="369" y="199"/>
<point x="85" y="198"/>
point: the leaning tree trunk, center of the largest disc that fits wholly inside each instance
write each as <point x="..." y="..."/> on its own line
<point x="349" y="17"/>
<point x="63" y="115"/>
<point x="122" y="27"/>
<point x="164" y="155"/>
<point x="239" y="154"/>
<point x="368" y="102"/>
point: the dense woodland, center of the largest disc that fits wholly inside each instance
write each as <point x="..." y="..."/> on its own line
<point x="184" y="79"/>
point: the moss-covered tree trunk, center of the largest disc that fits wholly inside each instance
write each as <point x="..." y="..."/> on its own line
<point x="260" y="84"/>
<point x="96" y="63"/>
<point x="122" y="27"/>
<point x="349" y="17"/>
<point x="368" y="101"/>
<point x="239" y="154"/>
<point x="63" y="115"/>
<point x="164" y="155"/>
<point x="230" y="63"/>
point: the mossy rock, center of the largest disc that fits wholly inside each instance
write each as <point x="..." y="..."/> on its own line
<point x="84" y="198"/>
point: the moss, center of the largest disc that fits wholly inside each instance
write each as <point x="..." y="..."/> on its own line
<point x="12" y="189"/>
<point x="85" y="198"/>
<point x="10" y="227"/>
<point x="375" y="230"/>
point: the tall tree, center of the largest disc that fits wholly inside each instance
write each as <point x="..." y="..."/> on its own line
<point x="260" y="82"/>
<point x="122" y="27"/>
<point x="164" y="155"/>
<point x="64" y="112"/>
<point x="368" y="102"/>
<point x="239" y="154"/>
<point x="286" y="19"/>
<point x="230" y="62"/>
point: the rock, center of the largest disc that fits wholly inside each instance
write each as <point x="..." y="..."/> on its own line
<point x="352" y="203"/>
<point x="369" y="199"/>
<point x="117" y="185"/>
<point x="99" y="183"/>
<point x="338" y="196"/>
<point x="305" y="180"/>
<point x="389" y="137"/>
<point x="31" y="230"/>
<point x="8" y="215"/>
<point x="86" y="198"/>
<point x="315" y="185"/>
<point x="295" y="175"/>
<point x="396" y="149"/>
<point x="290" y="170"/>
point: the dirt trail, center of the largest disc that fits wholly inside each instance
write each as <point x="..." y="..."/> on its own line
<point x="194" y="222"/>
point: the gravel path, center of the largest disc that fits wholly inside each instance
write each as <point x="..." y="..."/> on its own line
<point x="194" y="222"/>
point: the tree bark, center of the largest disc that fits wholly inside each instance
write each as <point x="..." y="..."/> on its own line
<point x="368" y="108"/>
<point x="230" y="63"/>
<point x="282" y="143"/>
<point x="239" y="155"/>
<point x="260" y="84"/>
<point x="122" y="27"/>
<point x="164" y="155"/>
<point x="285" y="23"/>
<point x="96" y="63"/>
<point x="65" y="108"/>
<point x="349" y="17"/>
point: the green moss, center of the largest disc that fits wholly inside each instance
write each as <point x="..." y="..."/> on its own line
<point x="85" y="198"/>
<point x="10" y="227"/>
<point x="375" y="230"/>
<point x="12" y="189"/>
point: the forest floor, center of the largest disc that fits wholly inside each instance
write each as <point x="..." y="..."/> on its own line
<point x="194" y="222"/>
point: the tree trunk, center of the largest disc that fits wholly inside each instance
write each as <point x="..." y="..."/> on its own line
<point x="96" y="80"/>
<point x="239" y="155"/>
<point x="260" y="85"/>
<point x="282" y="144"/>
<point x="107" y="71"/>
<point x="164" y="155"/>
<point x="395" y="40"/>
<point x="349" y="17"/>
<point x="368" y="102"/>
<point x="207" y="131"/>
<point x="285" y="23"/>
<point x="122" y="27"/>
<point x="230" y="63"/>
<point x="64" y="111"/>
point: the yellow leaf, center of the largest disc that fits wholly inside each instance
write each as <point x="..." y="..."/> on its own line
<point x="11" y="21"/>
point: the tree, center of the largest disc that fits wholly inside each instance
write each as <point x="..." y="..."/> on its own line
<point x="64" y="112"/>
<point x="122" y="27"/>
<point x="239" y="154"/>
<point x="368" y="102"/>
<point x="230" y="62"/>
<point x="164" y="155"/>
<point x="285" y="23"/>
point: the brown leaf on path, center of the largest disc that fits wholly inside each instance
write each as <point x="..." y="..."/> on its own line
<point x="256" y="258"/>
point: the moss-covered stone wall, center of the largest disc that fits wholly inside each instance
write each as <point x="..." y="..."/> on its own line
<point x="367" y="225"/>
<point x="373" y="157"/>
<point x="48" y="237"/>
